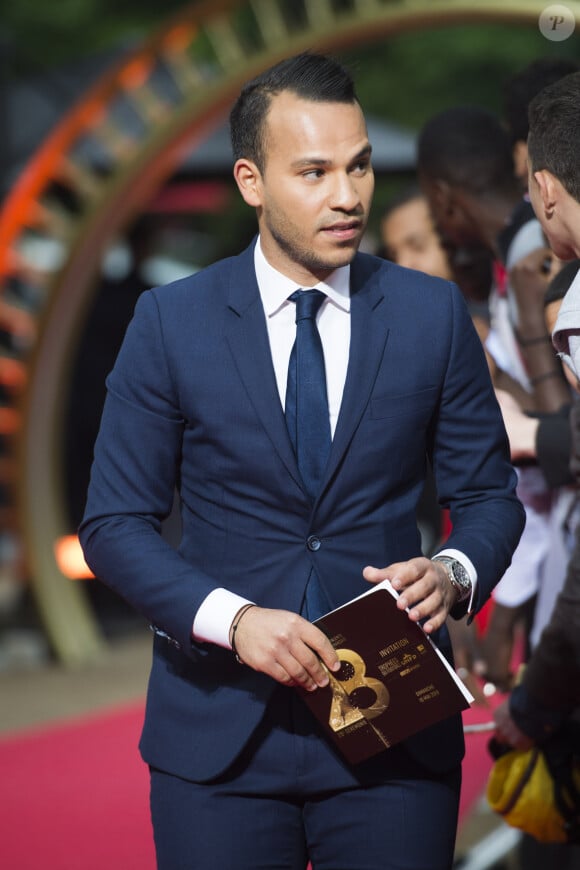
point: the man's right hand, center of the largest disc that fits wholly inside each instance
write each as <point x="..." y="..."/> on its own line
<point x="285" y="646"/>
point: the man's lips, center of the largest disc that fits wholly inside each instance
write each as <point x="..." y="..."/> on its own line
<point x="344" y="229"/>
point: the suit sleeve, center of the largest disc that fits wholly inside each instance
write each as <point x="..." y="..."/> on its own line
<point x="475" y="478"/>
<point x="133" y="481"/>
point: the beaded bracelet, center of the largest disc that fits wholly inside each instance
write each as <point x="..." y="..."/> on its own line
<point x="237" y="620"/>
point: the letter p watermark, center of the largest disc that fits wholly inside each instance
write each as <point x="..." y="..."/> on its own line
<point x="557" y="23"/>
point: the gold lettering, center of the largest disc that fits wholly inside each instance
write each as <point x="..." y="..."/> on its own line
<point x="393" y="647"/>
<point x="350" y="692"/>
<point x="425" y="689"/>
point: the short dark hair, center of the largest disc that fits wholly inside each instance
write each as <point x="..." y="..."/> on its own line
<point x="308" y="75"/>
<point x="554" y="117"/>
<point x="520" y="89"/>
<point x="467" y="147"/>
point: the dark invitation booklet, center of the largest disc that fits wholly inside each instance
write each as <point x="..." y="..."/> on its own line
<point x="393" y="680"/>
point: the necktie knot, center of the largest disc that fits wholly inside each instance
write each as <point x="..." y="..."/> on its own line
<point x="308" y="303"/>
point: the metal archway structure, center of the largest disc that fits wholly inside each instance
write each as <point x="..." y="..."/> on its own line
<point x="203" y="55"/>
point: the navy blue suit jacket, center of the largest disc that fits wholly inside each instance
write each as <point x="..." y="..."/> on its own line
<point x="192" y="403"/>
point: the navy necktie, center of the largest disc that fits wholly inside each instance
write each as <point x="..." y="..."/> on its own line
<point x="307" y="417"/>
<point x="306" y="399"/>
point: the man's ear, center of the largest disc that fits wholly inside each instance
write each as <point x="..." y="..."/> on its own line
<point x="548" y="187"/>
<point x="249" y="180"/>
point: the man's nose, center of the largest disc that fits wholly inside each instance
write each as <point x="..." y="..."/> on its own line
<point x="345" y="195"/>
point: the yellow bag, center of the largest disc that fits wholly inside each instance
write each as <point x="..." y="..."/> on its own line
<point x="522" y="789"/>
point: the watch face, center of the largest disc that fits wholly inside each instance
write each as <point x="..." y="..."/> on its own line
<point x="462" y="579"/>
<point x="458" y="576"/>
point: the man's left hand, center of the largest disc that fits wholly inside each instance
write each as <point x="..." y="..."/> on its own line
<point x="423" y="588"/>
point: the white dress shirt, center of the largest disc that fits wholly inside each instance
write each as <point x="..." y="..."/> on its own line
<point x="216" y="613"/>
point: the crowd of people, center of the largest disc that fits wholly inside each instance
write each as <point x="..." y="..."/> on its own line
<point x="283" y="519"/>
<point x="493" y="183"/>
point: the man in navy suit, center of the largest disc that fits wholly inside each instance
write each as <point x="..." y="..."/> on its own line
<point x="241" y="777"/>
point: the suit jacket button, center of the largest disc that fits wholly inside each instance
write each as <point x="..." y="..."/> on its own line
<point x="313" y="543"/>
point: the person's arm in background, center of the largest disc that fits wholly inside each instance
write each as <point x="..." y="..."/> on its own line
<point x="550" y="686"/>
<point x="529" y="280"/>
<point x="541" y="438"/>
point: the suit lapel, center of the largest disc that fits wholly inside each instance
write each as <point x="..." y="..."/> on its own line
<point x="369" y="333"/>
<point x="248" y="341"/>
<point x="247" y="337"/>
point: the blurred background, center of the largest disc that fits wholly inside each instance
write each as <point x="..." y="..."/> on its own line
<point x="115" y="175"/>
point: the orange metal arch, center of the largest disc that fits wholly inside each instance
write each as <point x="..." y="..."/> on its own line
<point x="207" y="50"/>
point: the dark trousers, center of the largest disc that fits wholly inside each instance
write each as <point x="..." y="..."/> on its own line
<point x="289" y="799"/>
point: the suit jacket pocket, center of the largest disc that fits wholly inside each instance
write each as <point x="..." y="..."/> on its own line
<point x="418" y="404"/>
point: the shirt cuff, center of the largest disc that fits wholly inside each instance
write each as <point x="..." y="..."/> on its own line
<point x="469" y="567"/>
<point x="215" y="615"/>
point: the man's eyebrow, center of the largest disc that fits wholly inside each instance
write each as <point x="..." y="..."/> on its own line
<point x="364" y="152"/>
<point x="321" y="161"/>
<point x="311" y="161"/>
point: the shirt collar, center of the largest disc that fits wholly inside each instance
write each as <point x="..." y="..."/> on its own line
<point x="275" y="288"/>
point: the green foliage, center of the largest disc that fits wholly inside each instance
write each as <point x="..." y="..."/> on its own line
<point x="405" y="78"/>
<point x="40" y="34"/>
<point x="411" y="76"/>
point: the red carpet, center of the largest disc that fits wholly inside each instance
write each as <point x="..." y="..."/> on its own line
<point x="477" y="762"/>
<point x="75" y="796"/>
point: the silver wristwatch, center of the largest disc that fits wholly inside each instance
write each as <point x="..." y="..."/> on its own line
<point x="458" y="576"/>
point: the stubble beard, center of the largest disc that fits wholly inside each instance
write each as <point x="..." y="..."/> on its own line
<point x="297" y="252"/>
